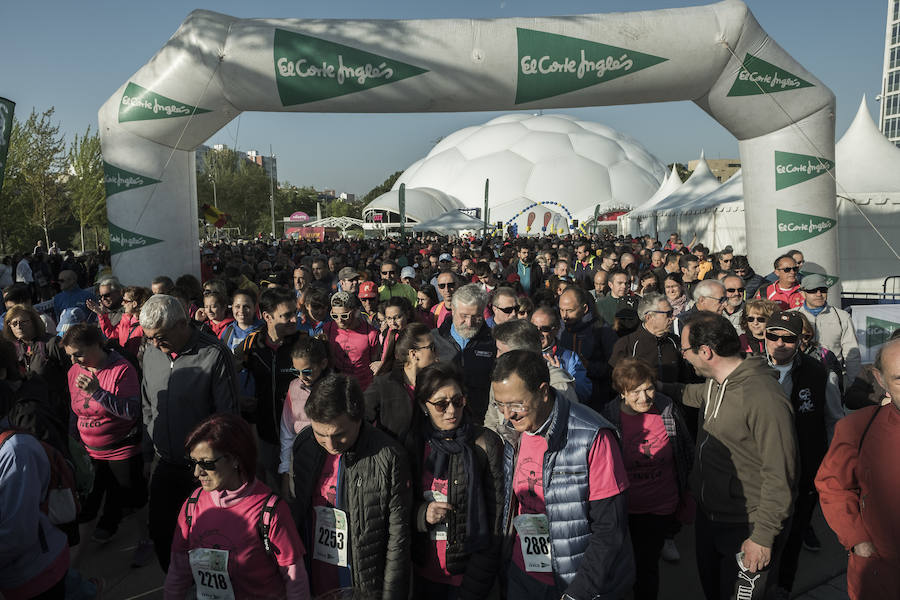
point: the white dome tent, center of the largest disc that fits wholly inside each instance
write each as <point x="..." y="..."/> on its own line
<point x="567" y="165"/>
<point x="422" y="204"/>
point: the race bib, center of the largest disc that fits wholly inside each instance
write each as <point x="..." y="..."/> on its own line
<point x="534" y="535"/>
<point x="438" y="532"/>
<point x="331" y="536"/>
<point x="210" y="569"/>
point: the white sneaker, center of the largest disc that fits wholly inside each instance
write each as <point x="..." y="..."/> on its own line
<point x="670" y="551"/>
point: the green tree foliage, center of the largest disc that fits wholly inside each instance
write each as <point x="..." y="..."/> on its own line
<point x="290" y="199"/>
<point x="241" y="189"/>
<point x="85" y="182"/>
<point x="682" y="170"/>
<point x="380" y="189"/>
<point x="43" y="162"/>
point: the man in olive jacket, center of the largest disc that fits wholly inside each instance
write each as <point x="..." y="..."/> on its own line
<point x="353" y="496"/>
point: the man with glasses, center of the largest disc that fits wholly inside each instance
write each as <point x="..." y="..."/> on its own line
<point x="565" y="506"/>
<point x="725" y="258"/>
<point x="465" y="340"/>
<point x="447" y="282"/>
<point x="188" y="375"/>
<point x="746" y="466"/>
<point x="391" y="285"/>
<point x="546" y="319"/>
<point x="109" y="291"/>
<point x="785" y="291"/>
<point x="709" y="296"/>
<point x="653" y="342"/>
<point x="734" y="300"/>
<point x="504" y="306"/>
<point x="834" y="329"/>
<point x="368" y="299"/>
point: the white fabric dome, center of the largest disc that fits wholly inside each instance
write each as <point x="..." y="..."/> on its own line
<point x="422" y="204"/>
<point x="567" y="165"/>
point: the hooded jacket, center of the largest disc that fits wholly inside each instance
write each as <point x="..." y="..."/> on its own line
<point x="746" y="465"/>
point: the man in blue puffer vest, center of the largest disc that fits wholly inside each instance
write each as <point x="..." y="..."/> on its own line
<point x="565" y="517"/>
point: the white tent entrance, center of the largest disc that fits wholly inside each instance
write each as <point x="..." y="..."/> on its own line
<point x="216" y="66"/>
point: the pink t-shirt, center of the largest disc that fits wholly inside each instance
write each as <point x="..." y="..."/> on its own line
<point x="294" y="411"/>
<point x="352" y="350"/>
<point x="324" y="577"/>
<point x="606" y="478"/>
<point x="435" y="565"/>
<point x="253" y="573"/>
<point x="650" y="463"/>
<point x="441" y="313"/>
<point x="97" y="426"/>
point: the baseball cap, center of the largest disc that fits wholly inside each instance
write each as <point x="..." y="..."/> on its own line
<point x="813" y="281"/>
<point x="347" y="273"/>
<point x="787" y="320"/>
<point x="407" y="272"/>
<point x="367" y="289"/>
<point x="445" y="258"/>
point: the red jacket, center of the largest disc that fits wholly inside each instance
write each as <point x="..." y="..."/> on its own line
<point x="858" y="488"/>
<point x="786" y="299"/>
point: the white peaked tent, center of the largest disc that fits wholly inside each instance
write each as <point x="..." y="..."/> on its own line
<point x="450" y="223"/>
<point x="868" y="189"/>
<point x="628" y="225"/>
<point x="717" y="218"/>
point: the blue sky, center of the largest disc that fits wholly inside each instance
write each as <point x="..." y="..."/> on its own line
<point x="74" y="55"/>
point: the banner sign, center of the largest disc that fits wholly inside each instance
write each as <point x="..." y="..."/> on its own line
<point x="874" y="324"/>
<point x="6" y="121"/>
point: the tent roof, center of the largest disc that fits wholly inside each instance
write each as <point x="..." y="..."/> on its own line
<point x="450" y="223"/>
<point x="422" y="203"/>
<point x="700" y="183"/>
<point x="866" y="161"/>
<point x="727" y="197"/>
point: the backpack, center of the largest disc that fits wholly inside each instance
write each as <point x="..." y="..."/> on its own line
<point x="263" y="524"/>
<point x="61" y="503"/>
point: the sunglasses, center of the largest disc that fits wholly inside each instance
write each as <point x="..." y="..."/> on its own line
<point x="669" y="313"/>
<point x="388" y="272"/>
<point x="726" y="261"/>
<point x="787" y="339"/>
<point x="20" y="323"/>
<point x="757" y="319"/>
<point x="441" y="406"/>
<point x="206" y="465"/>
<point x="789" y="269"/>
<point x="446" y="285"/>
<point x="546" y="328"/>
<point x="506" y="311"/>
<point x="818" y="290"/>
<point x="735" y="290"/>
<point x="298" y="372"/>
<point x="342" y="317"/>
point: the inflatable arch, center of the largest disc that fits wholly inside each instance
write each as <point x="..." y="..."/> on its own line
<point x="216" y="66"/>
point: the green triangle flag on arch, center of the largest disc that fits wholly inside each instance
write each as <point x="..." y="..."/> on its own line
<point x="122" y="240"/>
<point x="551" y="64"/>
<point x="308" y="68"/>
<point x="791" y="168"/>
<point x="758" y="76"/>
<point x="878" y="331"/>
<point x="140" y="104"/>
<point x="119" y="180"/>
<point x="796" y="227"/>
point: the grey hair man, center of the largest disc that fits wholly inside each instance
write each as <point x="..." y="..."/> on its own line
<point x="188" y="375"/>
<point x="733" y="309"/>
<point x="465" y="339"/>
<point x="109" y="291"/>
<point x="709" y="296"/>
<point x="653" y="342"/>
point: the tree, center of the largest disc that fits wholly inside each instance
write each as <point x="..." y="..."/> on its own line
<point x="41" y="170"/>
<point x="85" y="183"/>
<point x="681" y="169"/>
<point x="239" y="187"/>
<point x="380" y="189"/>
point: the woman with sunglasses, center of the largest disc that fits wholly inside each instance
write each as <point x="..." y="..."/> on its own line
<point x="38" y="353"/>
<point x="128" y="332"/>
<point x="234" y="537"/>
<point x="458" y="495"/>
<point x="753" y="323"/>
<point x="309" y="358"/>
<point x="388" y="400"/>
<point x="355" y="349"/>
<point x="657" y="450"/>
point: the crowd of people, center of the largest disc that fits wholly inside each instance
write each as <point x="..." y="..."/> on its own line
<point x="444" y="418"/>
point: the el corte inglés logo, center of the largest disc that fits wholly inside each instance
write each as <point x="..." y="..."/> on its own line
<point x="309" y="68"/>
<point x="119" y="180"/>
<point x="758" y="76"/>
<point x="791" y="169"/>
<point x="796" y="227"/>
<point x="551" y="64"/>
<point x="878" y="331"/>
<point x="122" y="240"/>
<point x="140" y="104"/>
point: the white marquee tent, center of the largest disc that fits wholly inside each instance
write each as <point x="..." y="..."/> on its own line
<point x="450" y="223"/>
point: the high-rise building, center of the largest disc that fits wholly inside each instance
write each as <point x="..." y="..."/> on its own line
<point x="889" y="119"/>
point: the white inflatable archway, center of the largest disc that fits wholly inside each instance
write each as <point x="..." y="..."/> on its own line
<point x="216" y="66"/>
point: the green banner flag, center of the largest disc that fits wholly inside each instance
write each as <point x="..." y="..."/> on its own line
<point x="140" y="104"/>
<point x="794" y="227"/>
<point x="878" y="331"/>
<point x="122" y="240"/>
<point x="791" y="168"/>
<point x="119" y="180"/>
<point x="6" y="122"/>
<point x="758" y="76"/>
<point x="401" y="206"/>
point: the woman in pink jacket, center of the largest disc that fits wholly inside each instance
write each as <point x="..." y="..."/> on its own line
<point x="127" y="332"/>
<point x="106" y="402"/>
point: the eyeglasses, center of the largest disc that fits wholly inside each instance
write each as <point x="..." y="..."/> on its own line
<point x="720" y="300"/>
<point x="669" y="313"/>
<point x="298" y="372"/>
<point x="128" y="300"/>
<point x="341" y="317"/>
<point x="427" y="347"/>
<point x="506" y="311"/>
<point x="20" y="323"/>
<point x="510" y="407"/>
<point x="683" y="350"/>
<point x="388" y="272"/>
<point x="726" y="261"/>
<point x="757" y="319"/>
<point x="441" y="406"/>
<point x="789" y="269"/>
<point x="787" y="339"/>
<point x="447" y="285"/>
<point x="546" y="328"/>
<point x="735" y="290"/>
<point x="159" y="338"/>
<point x="818" y="290"/>
<point x="206" y="465"/>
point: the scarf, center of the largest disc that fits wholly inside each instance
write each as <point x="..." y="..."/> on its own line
<point x="444" y="444"/>
<point x="678" y="305"/>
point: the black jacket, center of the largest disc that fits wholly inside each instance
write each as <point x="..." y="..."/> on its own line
<point x="479" y="569"/>
<point x="376" y="480"/>
<point x="809" y="378"/>
<point x="388" y="405"/>
<point x="272" y="372"/>
<point x="475" y="362"/>
<point x="593" y="342"/>
<point x="537" y="275"/>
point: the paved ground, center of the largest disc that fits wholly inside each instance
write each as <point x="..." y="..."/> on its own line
<point x="820" y="577"/>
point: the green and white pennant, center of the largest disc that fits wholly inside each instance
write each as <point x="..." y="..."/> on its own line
<point x="140" y="104"/>
<point x="878" y="331"/>
<point x="791" y="168"/>
<point x="794" y="227"/>
<point x="119" y="180"/>
<point x="757" y="76"/>
<point x="122" y="240"/>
